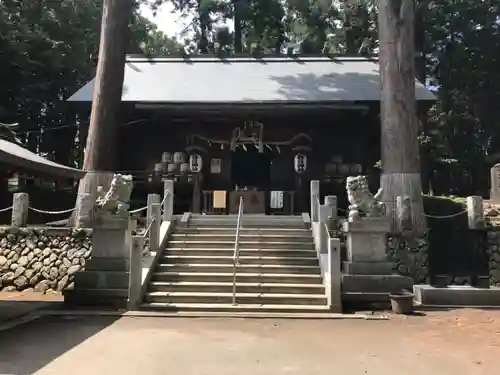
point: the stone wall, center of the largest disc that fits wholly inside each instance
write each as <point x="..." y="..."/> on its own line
<point x="41" y="259"/>
<point x="409" y="255"/>
<point x="494" y="255"/>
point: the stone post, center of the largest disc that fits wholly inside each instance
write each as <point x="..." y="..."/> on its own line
<point x="152" y="198"/>
<point x="403" y="213"/>
<point x="154" y="232"/>
<point x="314" y="201"/>
<point x="135" y="275"/>
<point x="495" y="183"/>
<point x="168" y="205"/>
<point x="475" y="212"/>
<point x="329" y="210"/>
<point x="20" y="208"/>
<point x="334" y="276"/>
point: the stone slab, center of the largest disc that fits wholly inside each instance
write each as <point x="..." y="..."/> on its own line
<point x="375" y="283"/>
<point x="368" y="268"/>
<point x="104" y="280"/>
<point x="366" y="246"/>
<point x="368" y="224"/>
<point x="111" y="243"/>
<point x="107" y="264"/>
<point x="109" y="298"/>
<point x="456" y="296"/>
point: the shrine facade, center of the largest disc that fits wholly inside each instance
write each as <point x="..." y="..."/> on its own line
<point x="257" y="128"/>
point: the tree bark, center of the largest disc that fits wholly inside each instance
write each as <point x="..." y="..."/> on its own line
<point x="399" y="127"/>
<point x="238" y="38"/>
<point x="100" y="150"/>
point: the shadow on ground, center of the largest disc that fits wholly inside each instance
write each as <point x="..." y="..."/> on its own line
<point x="28" y="348"/>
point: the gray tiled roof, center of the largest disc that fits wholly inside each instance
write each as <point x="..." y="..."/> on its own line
<point x="249" y="80"/>
<point x="13" y="154"/>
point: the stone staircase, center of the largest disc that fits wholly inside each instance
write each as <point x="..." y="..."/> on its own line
<point x="278" y="268"/>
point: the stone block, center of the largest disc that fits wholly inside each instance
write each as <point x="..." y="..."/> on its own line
<point x="102" y="280"/>
<point x="376" y="283"/>
<point x="107" y="264"/>
<point x="456" y="296"/>
<point x="368" y="268"/>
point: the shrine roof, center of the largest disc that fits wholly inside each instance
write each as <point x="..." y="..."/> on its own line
<point x="16" y="155"/>
<point x="210" y="80"/>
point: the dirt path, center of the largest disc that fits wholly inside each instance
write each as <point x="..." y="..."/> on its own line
<point x="445" y="343"/>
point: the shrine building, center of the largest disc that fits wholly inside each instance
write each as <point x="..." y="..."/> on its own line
<point x="261" y="128"/>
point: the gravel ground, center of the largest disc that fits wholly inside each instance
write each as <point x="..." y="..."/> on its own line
<point x="460" y="342"/>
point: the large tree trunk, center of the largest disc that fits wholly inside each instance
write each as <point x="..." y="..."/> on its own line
<point x="100" y="150"/>
<point x="238" y="38"/>
<point x="400" y="149"/>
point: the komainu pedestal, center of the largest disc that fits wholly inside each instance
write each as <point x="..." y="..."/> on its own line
<point x="367" y="274"/>
<point x="105" y="280"/>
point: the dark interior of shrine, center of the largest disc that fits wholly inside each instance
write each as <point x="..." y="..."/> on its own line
<point x="336" y="142"/>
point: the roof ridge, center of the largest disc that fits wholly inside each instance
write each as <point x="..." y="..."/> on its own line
<point x="248" y="59"/>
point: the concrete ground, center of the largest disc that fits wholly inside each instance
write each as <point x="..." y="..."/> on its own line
<point x="460" y="342"/>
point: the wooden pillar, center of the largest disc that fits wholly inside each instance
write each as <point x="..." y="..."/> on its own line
<point x="196" y="193"/>
<point x="399" y="128"/>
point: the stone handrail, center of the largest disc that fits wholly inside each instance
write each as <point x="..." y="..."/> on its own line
<point x="327" y="247"/>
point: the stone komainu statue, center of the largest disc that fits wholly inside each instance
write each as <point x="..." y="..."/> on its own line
<point x="115" y="200"/>
<point x="361" y="199"/>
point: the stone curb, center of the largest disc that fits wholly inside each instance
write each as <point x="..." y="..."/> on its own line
<point x="192" y="314"/>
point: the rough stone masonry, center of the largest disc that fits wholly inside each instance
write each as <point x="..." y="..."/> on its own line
<point x="42" y="259"/>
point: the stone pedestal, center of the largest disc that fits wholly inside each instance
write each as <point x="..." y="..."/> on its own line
<point x="366" y="243"/>
<point x="105" y="281"/>
<point x="367" y="275"/>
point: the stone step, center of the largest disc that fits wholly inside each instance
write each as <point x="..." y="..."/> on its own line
<point x="242" y="260"/>
<point x="241" y="298"/>
<point x="243" y="244"/>
<point x="265" y="278"/>
<point x="246" y="224"/>
<point x="230" y="237"/>
<point x="235" y="309"/>
<point x="243" y="230"/>
<point x="227" y="287"/>
<point x="96" y="297"/>
<point x="245" y="268"/>
<point x="243" y="252"/>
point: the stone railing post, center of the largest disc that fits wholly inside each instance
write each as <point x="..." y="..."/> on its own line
<point x="325" y="212"/>
<point x="334" y="280"/>
<point x="154" y="232"/>
<point x="475" y="212"/>
<point x="20" y="203"/>
<point x="135" y="272"/>
<point x="314" y="201"/>
<point x="152" y="198"/>
<point x="168" y="205"/>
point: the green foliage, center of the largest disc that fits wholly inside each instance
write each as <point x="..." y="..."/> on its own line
<point x="46" y="53"/>
<point x="46" y="49"/>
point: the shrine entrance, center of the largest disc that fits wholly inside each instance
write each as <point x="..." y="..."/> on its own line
<point x="250" y="169"/>
<point x="250" y="176"/>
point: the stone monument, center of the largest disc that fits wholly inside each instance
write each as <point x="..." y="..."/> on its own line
<point x="495" y="184"/>
<point x="366" y="269"/>
<point x="105" y="280"/>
